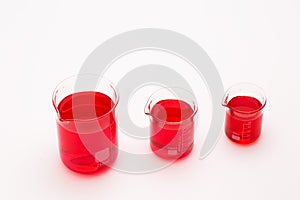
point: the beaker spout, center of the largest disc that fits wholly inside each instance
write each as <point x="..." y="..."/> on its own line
<point x="147" y="109"/>
<point x="225" y="100"/>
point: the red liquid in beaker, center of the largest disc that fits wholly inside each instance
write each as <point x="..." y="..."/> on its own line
<point x="87" y="131"/>
<point x="243" y="119"/>
<point x="172" y="128"/>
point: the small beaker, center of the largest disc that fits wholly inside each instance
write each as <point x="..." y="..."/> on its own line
<point x="171" y="112"/>
<point x="86" y="124"/>
<point x="245" y="103"/>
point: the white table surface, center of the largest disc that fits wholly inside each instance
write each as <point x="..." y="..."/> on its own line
<point x="255" y="41"/>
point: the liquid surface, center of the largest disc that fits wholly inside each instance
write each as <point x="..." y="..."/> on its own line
<point x="243" y="119"/>
<point x="87" y="131"/>
<point x="244" y="104"/>
<point x="172" y="128"/>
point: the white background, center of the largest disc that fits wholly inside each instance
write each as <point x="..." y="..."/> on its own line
<point x="256" y="41"/>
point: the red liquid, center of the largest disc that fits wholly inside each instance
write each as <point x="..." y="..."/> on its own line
<point x="171" y="128"/>
<point x="87" y="131"/>
<point x="243" y="119"/>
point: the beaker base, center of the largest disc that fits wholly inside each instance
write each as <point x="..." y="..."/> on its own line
<point x="170" y="154"/>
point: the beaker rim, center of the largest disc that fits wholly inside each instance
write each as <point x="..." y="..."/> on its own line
<point x="262" y="99"/>
<point x="190" y="97"/>
<point x="99" y="78"/>
<point x="176" y="122"/>
<point x="249" y="112"/>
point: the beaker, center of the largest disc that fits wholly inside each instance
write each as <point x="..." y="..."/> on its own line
<point x="172" y="112"/>
<point x="86" y="123"/>
<point x="245" y="103"/>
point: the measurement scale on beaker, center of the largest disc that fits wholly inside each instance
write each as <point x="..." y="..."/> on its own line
<point x="246" y="129"/>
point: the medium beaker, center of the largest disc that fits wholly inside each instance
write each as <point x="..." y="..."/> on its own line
<point x="245" y="103"/>
<point x="86" y="123"/>
<point x="171" y="112"/>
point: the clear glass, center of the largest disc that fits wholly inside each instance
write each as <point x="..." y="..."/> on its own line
<point x="171" y="112"/>
<point x="86" y="123"/>
<point x="245" y="103"/>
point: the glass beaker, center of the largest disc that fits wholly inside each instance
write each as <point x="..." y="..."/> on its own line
<point x="86" y="123"/>
<point x="171" y="112"/>
<point x="245" y="103"/>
